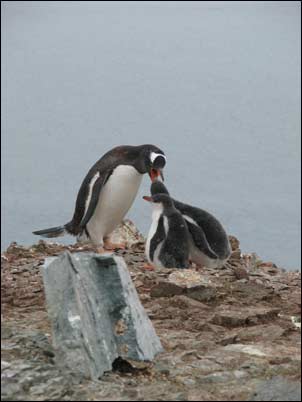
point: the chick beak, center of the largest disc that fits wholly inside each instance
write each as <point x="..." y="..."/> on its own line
<point x="155" y="173"/>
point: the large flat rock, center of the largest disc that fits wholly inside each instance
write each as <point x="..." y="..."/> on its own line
<point x="96" y="314"/>
<point x="277" y="389"/>
<point x="189" y="283"/>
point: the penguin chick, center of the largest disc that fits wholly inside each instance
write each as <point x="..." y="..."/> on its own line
<point x="167" y="244"/>
<point x="209" y="243"/>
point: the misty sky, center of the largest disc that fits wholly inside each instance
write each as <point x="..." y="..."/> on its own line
<point x="216" y="85"/>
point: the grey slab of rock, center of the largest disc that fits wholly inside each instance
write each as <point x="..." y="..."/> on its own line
<point x="96" y="314"/>
<point x="277" y="389"/>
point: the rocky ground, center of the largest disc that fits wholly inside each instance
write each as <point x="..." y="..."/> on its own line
<point x="229" y="334"/>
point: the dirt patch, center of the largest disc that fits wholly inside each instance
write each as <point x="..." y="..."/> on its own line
<point x="223" y="331"/>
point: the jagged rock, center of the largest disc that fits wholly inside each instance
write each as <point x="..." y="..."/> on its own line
<point x="265" y="332"/>
<point x="189" y="283"/>
<point x="233" y="317"/>
<point x="251" y="261"/>
<point x="234" y="242"/>
<point x="248" y="349"/>
<point x="240" y="273"/>
<point x="277" y="389"/>
<point x="221" y="376"/>
<point x="229" y="340"/>
<point x="166" y="289"/>
<point x="95" y="313"/>
<point x="236" y="255"/>
<point x="252" y="291"/>
<point x="126" y="233"/>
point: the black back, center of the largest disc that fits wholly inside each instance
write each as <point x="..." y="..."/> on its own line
<point x="212" y="228"/>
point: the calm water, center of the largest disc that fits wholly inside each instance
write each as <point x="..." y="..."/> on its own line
<point x="215" y="85"/>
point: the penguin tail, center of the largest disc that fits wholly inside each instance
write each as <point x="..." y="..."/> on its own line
<point x="51" y="232"/>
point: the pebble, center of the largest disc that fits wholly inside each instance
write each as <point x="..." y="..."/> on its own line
<point x="5" y="365"/>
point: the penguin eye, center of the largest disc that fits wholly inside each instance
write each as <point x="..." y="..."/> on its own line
<point x="158" y="161"/>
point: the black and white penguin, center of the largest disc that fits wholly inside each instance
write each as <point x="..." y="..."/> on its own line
<point x="167" y="244"/>
<point x="108" y="191"/>
<point x="209" y="243"/>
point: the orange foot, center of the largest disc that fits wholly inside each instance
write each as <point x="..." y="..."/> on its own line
<point x="148" y="267"/>
<point x="111" y="246"/>
<point x="101" y="250"/>
<point x="193" y="265"/>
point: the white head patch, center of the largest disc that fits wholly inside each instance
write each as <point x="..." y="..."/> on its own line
<point x="154" y="155"/>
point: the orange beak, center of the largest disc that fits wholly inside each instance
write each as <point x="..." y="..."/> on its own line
<point x="154" y="173"/>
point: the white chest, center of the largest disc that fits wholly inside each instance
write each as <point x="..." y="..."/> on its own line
<point x="115" y="199"/>
<point x="156" y="214"/>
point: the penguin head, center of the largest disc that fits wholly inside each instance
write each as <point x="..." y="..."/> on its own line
<point x="158" y="187"/>
<point x="162" y="200"/>
<point x="153" y="161"/>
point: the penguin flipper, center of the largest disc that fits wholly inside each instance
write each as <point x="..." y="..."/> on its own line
<point x="200" y="240"/>
<point x="97" y="187"/>
<point x="158" y="237"/>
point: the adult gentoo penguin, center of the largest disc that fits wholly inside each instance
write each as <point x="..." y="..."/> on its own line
<point x="108" y="192"/>
<point x="167" y="244"/>
<point x="209" y="243"/>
